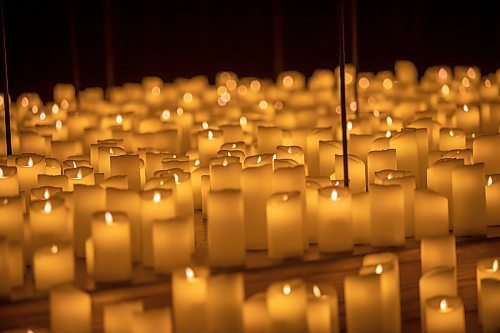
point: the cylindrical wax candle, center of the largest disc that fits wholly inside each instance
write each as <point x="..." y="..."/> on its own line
<point x="286" y="303"/>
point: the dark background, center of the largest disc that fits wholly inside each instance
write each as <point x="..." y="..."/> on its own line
<point x="183" y="38"/>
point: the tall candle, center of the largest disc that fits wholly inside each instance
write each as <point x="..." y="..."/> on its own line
<point x="487" y="268"/>
<point x="387" y="215"/>
<point x="431" y="214"/>
<point x="312" y="148"/>
<point x="225" y="173"/>
<point x="225" y="295"/>
<point x="322" y="309"/>
<point x="286" y="303"/>
<point x="378" y="160"/>
<point x="158" y="320"/>
<point x="48" y="222"/>
<point x="5" y="283"/>
<point x="357" y="173"/>
<point x="327" y="152"/>
<point x="209" y="143"/>
<point x="492" y="192"/>
<point x="437" y="252"/>
<point x="489" y="305"/>
<point x="53" y="265"/>
<point x="9" y="183"/>
<point x="444" y="314"/>
<point x="484" y="151"/>
<point x="29" y="166"/>
<point x="451" y="139"/>
<point x="70" y="310"/>
<point x="11" y="219"/>
<point x="361" y="218"/>
<point x="439" y="281"/>
<point x="117" y="317"/>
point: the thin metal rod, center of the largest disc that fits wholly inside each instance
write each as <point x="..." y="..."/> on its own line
<point x="6" y="99"/>
<point x="354" y="49"/>
<point x="343" y="110"/>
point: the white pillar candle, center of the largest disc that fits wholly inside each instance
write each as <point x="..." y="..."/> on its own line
<point x="189" y="296"/>
<point x="111" y="243"/>
<point x="70" y="310"/>
<point x="361" y="218"/>
<point x="255" y="314"/>
<point x="378" y="160"/>
<point x="357" y="173"/>
<point x="387" y="215"/>
<point x="322" y="309"/>
<point x="53" y="265"/>
<point x="286" y="303"/>
<point x="485" y="269"/>
<point x="484" y="150"/>
<point x="155" y="205"/>
<point x="128" y="165"/>
<point x="225" y="173"/>
<point x="469" y="200"/>
<point x="489" y="305"/>
<point x="437" y="252"/>
<point x="80" y="176"/>
<point x="225" y="228"/>
<point x="468" y="118"/>
<point x="312" y="188"/>
<point x="295" y="153"/>
<point x="11" y="219"/>
<point x="451" y="139"/>
<point x="312" y="148"/>
<point x="5" y="283"/>
<point x="158" y="320"/>
<point x="439" y="281"/>
<point x="335" y="231"/>
<point x="409" y="155"/>
<point x="209" y="143"/>
<point x="29" y="166"/>
<point x="431" y="214"/>
<point x="284" y="225"/>
<point x="444" y="314"/>
<point x="492" y="193"/>
<point x="225" y="303"/>
<point x="9" y="183"/>
<point x="48" y="222"/>
<point x="327" y="152"/>
<point x="117" y="317"/>
<point x="171" y="244"/>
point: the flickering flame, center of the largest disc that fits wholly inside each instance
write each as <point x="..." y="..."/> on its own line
<point x="47" y="207"/>
<point x="165" y="115"/>
<point x="179" y="111"/>
<point x="263" y="105"/>
<point x="5" y="201"/>
<point x="287" y="289"/>
<point x="210" y="135"/>
<point x="64" y="104"/>
<point x="290" y="150"/>
<point x="445" y="90"/>
<point x="364" y="83"/>
<point x="255" y="85"/>
<point x="25" y="101"/>
<point x="74" y="164"/>
<point x="378" y="269"/>
<point x="54" y="249"/>
<point x="111" y="151"/>
<point x="34" y="109"/>
<point x="471" y="73"/>
<point x="349" y="126"/>
<point x="376" y="113"/>
<point x="46" y="194"/>
<point x="79" y="174"/>
<point x="187" y="97"/>
<point x="243" y="121"/>
<point x="2" y="175"/>
<point x="30" y="162"/>
<point x="487" y="83"/>
<point x="156" y="197"/>
<point x="388" y="134"/>
<point x="494" y="266"/>
<point x="197" y="162"/>
<point x="388" y="120"/>
<point x="443" y="305"/>
<point x="43" y="116"/>
<point x="316" y="291"/>
<point x="490" y="181"/>
<point x="204" y="125"/>
<point x="259" y="159"/>
<point x="119" y="119"/>
<point x="337" y="183"/>
<point x="274" y="156"/>
<point x="189" y="273"/>
<point x="334" y="196"/>
<point x="285" y="197"/>
<point x="389" y="176"/>
<point x="466" y="108"/>
<point x="287" y="81"/>
<point x="55" y="109"/>
<point x="443" y="74"/>
<point x="229" y="153"/>
<point x="155" y="91"/>
<point x="224" y="163"/>
<point x="58" y="124"/>
<point x="466" y="82"/>
<point x="387" y="83"/>
<point x="108" y="218"/>
<point x="225" y="97"/>
<point x="176" y="178"/>
<point x="451" y="133"/>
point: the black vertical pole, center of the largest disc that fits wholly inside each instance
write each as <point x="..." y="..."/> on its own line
<point x="343" y="110"/>
<point x="278" y="36"/>
<point x="108" y="40"/>
<point x="75" y="64"/>
<point x="6" y="99"/>
<point x="354" y="49"/>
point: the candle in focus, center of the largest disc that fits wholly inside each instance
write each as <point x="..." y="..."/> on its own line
<point x="444" y="314"/>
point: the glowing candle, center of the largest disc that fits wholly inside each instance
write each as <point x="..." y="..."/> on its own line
<point x="189" y="296"/>
<point x="48" y="222"/>
<point x="111" y="244"/>
<point x="431" y="214"/>
<point x="11" y="219"/>
<point x="492" y="198"/>
<point x="287" y="304"/>
<point x="117" y="317"/>
<point x="327" y="152"/>
<point x="128" y="165"/>
<point x="488" y="303"/>
<point x="225" y="173"/>
<point x="155" y="205"/>
<point x="255" y="314"/>
<point x="357" y="174"/>
<point x="225" y="228"/>
<point x="225" y="295"/>
<point x="9" y="184"/>
<point x="451" y="139"/>
<point x="312" y="148"/>
<point x="361" y="218"/>
<point x="209" y="143"/>
<point x="268" y="138"/>
<point x="485" y="269"/>
<point x="28" y="168"/>
<point x="439" y="281"/>
<point x="387" y="215"/>
<point x="322" y="309"/>
<point x="410" y="153"/>
<point x="70" y="310"/>
<point x="444" y="314"/>
<point x="335" y="231"/>
<point x="80" y="176"/>
<point x="485" y="151"/>
<point x="5" y="283"/>
<point x="290" y="152"/>
<point x="53" y="265"/>
<point x="468" y="118"/>
<point x="437" y="252"/>
<point x="312" y="210"/>
<point x="380" y="160"/>
<point x="285" y="226"/>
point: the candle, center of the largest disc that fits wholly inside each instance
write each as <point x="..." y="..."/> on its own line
<point x="105" y="152"/>
<point x="128" y="165"/>
<point x="48" y="222"/>
<point x="9" y="183"/>
<point x="53" y="265"/>
<point x="484" y="151"/>
<point x="157" y="320"/>
<point x="111" y="246"/>
<point x="485" y="269"/>
<point x="117" y="317"/>
<point x="431" y="214"/>
<point x="189" y="296"/>
<point x="29" y="166"/>
<point x="378" y="160"/>
<point x="255" y="314"/>
<point x="287" y="304"/>
<point x="411" y="154"/>
<point x="361" y="218"/>
<point x="80" y="176"/>
<point x="312" y="148"/>
<point x="209" y="143"/>
<point x="268" y="138"/>
<point x="225" y="228"/>
<point x="387" y="215"/>
<point x="439" y="281"/>
<point x="492" y="192"/>
<point x="327" y="152"/>
<point x="5" y="283"/>
<point x="489" y="305"/>
<point x="451" y="139"/>
<point x="469" y="200"/>
<point x="357" y="174"/>
<point x="155" y="205"/>
<point x="284" y="225"/>
<point x="437" y="252"/>
<point x="335" y="230"/>
<point x="468" y="118"/>
<point x="290" y="152"/>
<point x="70" y="310"/>
<point x="322" y="309"/>
<point x="312" y="210"/>
<point x="225" y="295"/>
<point x="444" y="314"/>
<point x="171" y="244"/>
<point x="225" y="173"/>
<point x="11" y="219"/>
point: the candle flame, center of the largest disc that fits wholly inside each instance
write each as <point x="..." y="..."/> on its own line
<point x="387" y="83"/>
<point x="2" y="175"/>
<point x="337" y="183"/>
<point x="210" y="135"/>
<point x="316" y="291"/>
<point x="229" y="153"/>
<point x="233" y="145"/>
<point x="54" y="249"/>
<point x="58" y="124"/>
<point x="30" y="331"/>
<point x="30" y="162"/>
<point x="443" y="305"/>
<point x="34" y="109"/>
<point x="224" y="163"/>
<point x="197" y="162"/>
<point x="494" y="266"/>
<point x="111" y="151"/>
<point x="487" y="83"/>
<point x="165" y="115"/>
<point x="451" y="133"/>
<point x="64" y="104"/>
<point x="243" y="121"/>
<point x="466" y="108"/>
<point x="389" y="176"/>
<point x="187" y="97"/>
<point x="285" y="197"/>
<point x="176" y="178"/>
<point x="349" y="126"/>
<point x="179" y="111"/>
<point x="287" y="289"/>
<point x="5" y="201"/>
<point x="445" y="90"/>
<point x="46" y="194"/>
<point x="490" y="181"/>
<point x="108" y="218"/>
<point x="290" y="150"/>
<point x="79" y="174"/>
<point x="388" y="134"/>
<point x="74" y="164"/>
<point x="376" y="113"/>
<point x="189" y="273"/>
<point x="156" y="197"/>
<point x="379" y="269"/>
<point x="443" y="74"/>
<point x="204" y="125"/>
<point x="155" y="91"/>
<point x="119" y="119"/>
<point x="274" y="156"/>
<point x="259" y="159"/>
<point x="288" y="81"/>
<point x="263" y="105"/>
<point x="47" y="207"/>
<point x="43" y="116"/>
<point x="334" y="196"/>
<point x="389" y="120"/>
<point x="24" y="101"/>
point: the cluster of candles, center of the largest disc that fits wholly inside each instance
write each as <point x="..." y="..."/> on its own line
<point x="117" y="181"/>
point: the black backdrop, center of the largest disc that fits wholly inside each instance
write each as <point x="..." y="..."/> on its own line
<point x="184" y="37"/>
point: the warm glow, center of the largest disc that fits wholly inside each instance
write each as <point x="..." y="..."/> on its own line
<point x="46" y="194"/>
<point x="378" y="269"/>
<point x="290" y="150"/>
<point x="388" y="134"/>
<point x="451" y="133"/>
<point x="210" y="135"/>
<point x="285" y="197"/>
<point x="466" y="82"/>
<point x="348" y="78"/>
<point x="389" y="120"/>
<point x="54" y="249"/>
<point x="30" y="162"/>
<point x="204" y="125"/>
<point x="24" y="101"/>
<point x="187" y="97"/>
<point x="225" y="97"/>
<point x="231" y="84"/>
<point x="349" y="126"/>
<point x="74" y="164"/>
<point x="156" y="197"/>
<point x="55" y="109"/>
<point x="176" y="179"/>
<point x="487" y="83"/>
<point x="389" y="176"/>
<point x="263" y="105"/>
<point x="43" y="116"/>
<point x="334" y="196"/>
<point x="233" y="146"/>
<point x="79" y="174"/>
<point x="242" y="90"/>
<point x="189" y="274"/>
<point x="2" y="175"/>
<point x="119" y="119"/>
<point x="443" y="74"/>
<point x="445" y="90"/>
<point x="372" y="100"/>
<point x="287" y="81"/>
<point x="466" y="108"/>
<point x="471" y="73"/>
<point x="387" y="83"/>
<point x="34" y="109"/>
<point x="108" y="217"/>
<point x="243" y="121"/>
<point x="316" y="291"/>
<point x="443" y="305"/>
<point x="229" y="153"/>
<point x="221" y="90"/>
<point x="179" y="111"/>
<point x="287" y="289"/>
<point x="353" y="106"/>
<point x="155" y="91"/>
<point x="58" y="124"/>
<point x="47" y="207"/>
<point x="259" y="159"/>
<point x="364" y="83"/>
<point x="255" y="85"/>
<point x="197" y="162"/>
<point x="224" y="163"/>
<point x="494" y="266"/>
<point x="64" y="104"/>
<point x="165" y="115"/>
<point x="490" y="181"/>
<point x="376" y="113"/>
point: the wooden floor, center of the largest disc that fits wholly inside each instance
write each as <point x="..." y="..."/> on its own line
<point x="29" y="309"/>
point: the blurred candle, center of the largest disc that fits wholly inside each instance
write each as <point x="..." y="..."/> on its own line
<point x="489" y="305"/>
<point x="70" y="310"/>
<point x="209" y="143"/>
<point x="444" y="314"/>
<point x="29" y="166"/>
<point x="9" y="183"/>
<point x="255" y="314"/>
<point x="117" y="317"/>
<point x="48" y="222"/>
<point x="485" y="269"/>
<point x="158" y="320"/>
<point x="437" y="252"/>
<point x="322" y="309"/>
<point x="357" y="173"/>
<point x="451" y="139"/>
<point x="225" y="295"/>
<point x="287" y="304"/>
<point x="438" y="281"/>
<point x="492" y="193"/>
<point x="378" y="160"/>
<point x="387" y="215"/>
<point x="53" y="265"/>
<point x="431" y="214"/>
